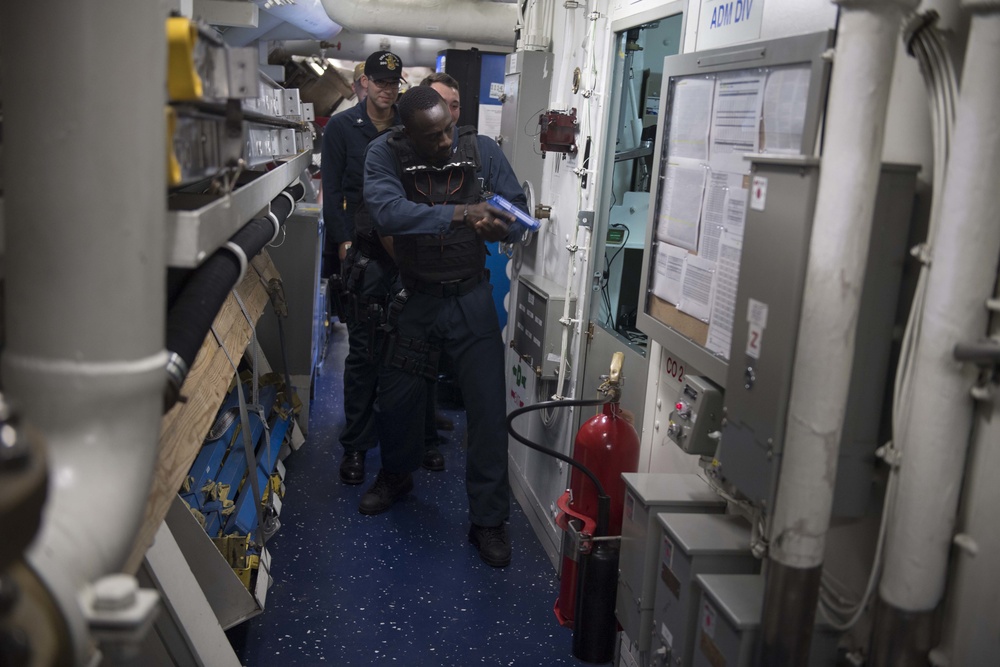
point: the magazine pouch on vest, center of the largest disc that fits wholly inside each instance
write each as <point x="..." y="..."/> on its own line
<point x="411" y="355"/>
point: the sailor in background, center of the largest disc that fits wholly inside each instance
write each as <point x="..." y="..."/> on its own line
<point x="447" y="87"/>
<point x="366" y="271"/>
<point x="360" y="85"/>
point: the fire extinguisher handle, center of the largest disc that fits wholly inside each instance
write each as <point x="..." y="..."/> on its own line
<point x="617" y="359"/>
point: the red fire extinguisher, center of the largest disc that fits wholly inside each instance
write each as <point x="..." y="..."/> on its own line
<point x="591" y="514"/>
<point x="608" y="445"/>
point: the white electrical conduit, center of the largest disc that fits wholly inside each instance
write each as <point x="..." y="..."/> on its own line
<point x="564" y="64"/>
<point x="537" y="31"/>
<point x="85" y="272"/>
<point x="938" y="420"/>
<point x="849" y="175"/>
<point x="572" y="245"/>
<point x="634" y="120"/>
<point x="565" y="320"/>
<point x="455" y="20"/>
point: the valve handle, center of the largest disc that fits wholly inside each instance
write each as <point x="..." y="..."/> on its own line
<point x="617" y="359"/>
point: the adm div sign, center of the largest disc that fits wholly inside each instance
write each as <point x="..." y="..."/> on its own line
<point x="726" y="22"/>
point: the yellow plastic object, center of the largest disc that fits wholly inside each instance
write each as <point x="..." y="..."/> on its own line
<point x="234" y="550"/>
<point x="275" y="485"/>
<point x="183" y="82"/>
<point x="173" y="164"/>
<point x="246" y="573"/>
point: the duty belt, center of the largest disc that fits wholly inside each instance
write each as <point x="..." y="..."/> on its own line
<point x="450" y="288"/>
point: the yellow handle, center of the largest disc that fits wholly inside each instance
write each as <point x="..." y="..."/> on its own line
<point x="183" y="82"/>
<point x="173" y="164"/>
<point x="617" y="359"/>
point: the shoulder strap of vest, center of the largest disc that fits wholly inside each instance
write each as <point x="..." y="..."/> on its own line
<point x="401" y="147"/>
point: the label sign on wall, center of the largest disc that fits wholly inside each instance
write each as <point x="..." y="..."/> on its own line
<point x="726" y="22"/>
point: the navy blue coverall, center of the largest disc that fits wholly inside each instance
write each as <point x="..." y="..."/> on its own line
<point x="464" y="327"/>
<point x="345" y="139"/>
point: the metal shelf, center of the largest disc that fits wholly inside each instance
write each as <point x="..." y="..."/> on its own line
<point x="209" y="220"/>
<point x="631" y="154"/>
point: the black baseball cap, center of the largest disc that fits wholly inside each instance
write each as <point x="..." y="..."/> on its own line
<point x="383" y="65"/>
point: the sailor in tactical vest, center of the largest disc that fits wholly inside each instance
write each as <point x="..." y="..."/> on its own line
<point x="425" y="183"/>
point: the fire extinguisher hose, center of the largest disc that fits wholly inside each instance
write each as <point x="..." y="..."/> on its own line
<point x="603" y="499"/>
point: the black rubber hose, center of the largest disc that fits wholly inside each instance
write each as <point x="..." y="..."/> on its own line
<point x="195" y="297"/>
<point x="196" y="305"/>
<point x="603" y="499"/>
<point x="281" y="206"/>
<point x="176" y="279"/>
<point x="253" y="236"/>
<point x="297" y="190"/>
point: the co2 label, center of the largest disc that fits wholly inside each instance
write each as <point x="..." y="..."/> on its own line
<point x="675" y="369"/>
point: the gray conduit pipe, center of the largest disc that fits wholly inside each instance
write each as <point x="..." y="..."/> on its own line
<point x="85" y="278"/>
<point x="972" y="630"/>
<point x="855" y="124"/>
<point x="938" y="422"/>
<point x="454" y="20"/>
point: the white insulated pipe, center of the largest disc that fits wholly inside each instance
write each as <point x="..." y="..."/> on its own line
<point x="848" y="181"/>
<point x="451" y="20"/>
<point x="308" y="15"/>
<point x="266" y="24"/>
<point x="938" y="419"/>
<point x="84" y="196"/>
<point x="536" y="30"/>
<point x="415" y="52"/>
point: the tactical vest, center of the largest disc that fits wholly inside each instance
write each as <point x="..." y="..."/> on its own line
<point x="460" y="253"/>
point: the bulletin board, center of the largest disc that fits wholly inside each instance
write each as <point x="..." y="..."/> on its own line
<point x="717" y="107"/>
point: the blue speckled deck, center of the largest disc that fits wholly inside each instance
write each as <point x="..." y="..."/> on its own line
<point x="403" y="587"/>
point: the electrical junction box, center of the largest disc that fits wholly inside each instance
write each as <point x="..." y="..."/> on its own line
<point x="729" y="613"/>
<point x="646" y="495"/>
<point x="693" y="544"/>
<point x="766" y="317"/>
<point x="696" y="414"/>
<point x="537" y="329"/>
<point x="557" y="131"/>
